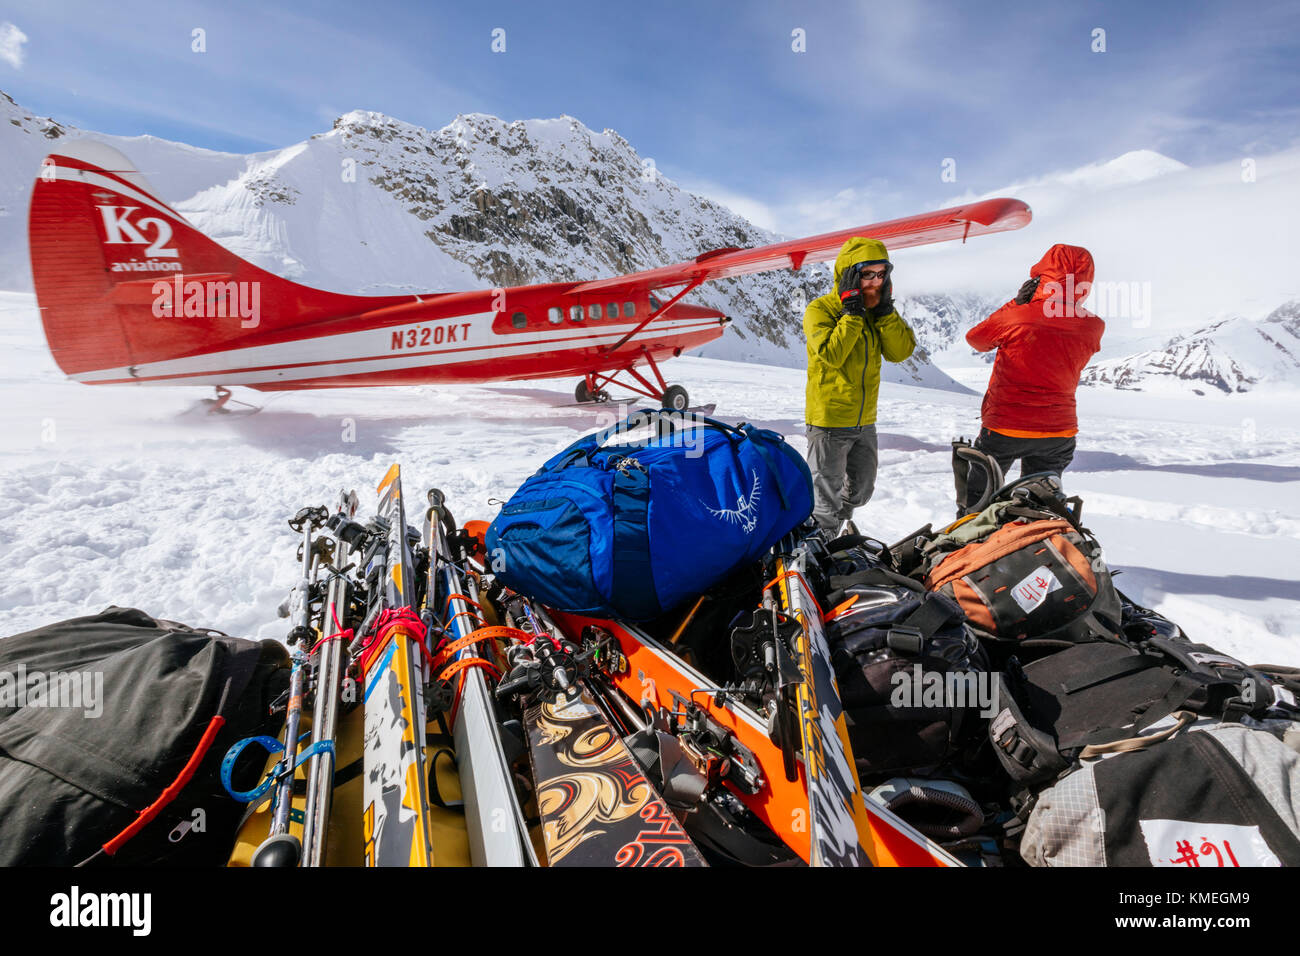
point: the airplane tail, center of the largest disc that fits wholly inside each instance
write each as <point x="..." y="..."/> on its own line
<point x="123" y="281"/>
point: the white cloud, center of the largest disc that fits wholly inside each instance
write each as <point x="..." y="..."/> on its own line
<point x="11" y="45"/>
<point x="755" y="210"/>
<point x="794" y="216"/>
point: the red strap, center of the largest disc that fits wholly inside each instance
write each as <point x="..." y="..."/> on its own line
<point x="842" y="607"/>
<point x="333" y="637"/>
<point x="795" y="574"/>
<point x="397" y="619"/>
<point x="448" y="651"/>
<point x="172" y="791"/>
<point x="478" y="620"/>
<point x="461" y="597"/>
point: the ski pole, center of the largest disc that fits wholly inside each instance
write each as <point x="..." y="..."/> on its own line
<point x="325" y="708"/>
<point x="281" y="848"/>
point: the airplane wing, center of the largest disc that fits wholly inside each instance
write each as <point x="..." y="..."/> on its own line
<point x="957" y="222"/>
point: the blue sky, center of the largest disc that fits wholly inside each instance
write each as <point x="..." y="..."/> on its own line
<point x="856" y="126"/>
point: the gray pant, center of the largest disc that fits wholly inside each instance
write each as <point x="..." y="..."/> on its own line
<point x="843" y="463"/>
<point x="1035" y="454"/>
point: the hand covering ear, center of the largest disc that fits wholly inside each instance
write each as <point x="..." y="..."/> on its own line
<point x="1027" y="290"/>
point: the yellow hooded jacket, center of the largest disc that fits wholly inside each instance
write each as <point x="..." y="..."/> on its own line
<point x="844" y="350"/>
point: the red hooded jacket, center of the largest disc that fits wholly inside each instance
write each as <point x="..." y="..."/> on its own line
<point x="1042" y="346"/>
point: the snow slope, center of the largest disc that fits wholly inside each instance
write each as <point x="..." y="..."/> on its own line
<point x="1202" y="244"/>
<point x="1235" y="355"/>
<point x="131" y="497"/>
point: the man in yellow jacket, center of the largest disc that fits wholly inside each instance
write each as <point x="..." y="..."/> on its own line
<point x="848" y="331"/>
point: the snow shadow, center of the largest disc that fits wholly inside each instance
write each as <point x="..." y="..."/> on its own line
<point x="894" y="442"/>
<point x="307" y="435"/>
<point x="886" y="441"/>
<point x="1244" y="586"/>
<point x="294" y="434"/>
<point x="1109" y="461"/>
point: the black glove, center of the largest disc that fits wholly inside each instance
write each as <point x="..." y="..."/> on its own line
<point x="1027" y="290"/>
<point x="886" y="303"/>
<point x="851" y="293"/>
<point x="854" y="303"/>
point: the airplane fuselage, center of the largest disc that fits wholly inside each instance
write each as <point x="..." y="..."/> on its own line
<point x="468" y="337"/>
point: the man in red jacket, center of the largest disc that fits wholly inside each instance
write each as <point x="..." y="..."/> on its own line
<point x="1044" y="338"/>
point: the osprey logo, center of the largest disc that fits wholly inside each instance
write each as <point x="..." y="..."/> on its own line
<point x="745" y="513"/>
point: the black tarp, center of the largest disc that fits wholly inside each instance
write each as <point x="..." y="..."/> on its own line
<point x="98" y="716"/>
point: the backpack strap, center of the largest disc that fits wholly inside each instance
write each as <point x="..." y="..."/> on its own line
<point x="964" y="457"/>
<point x="758" y="438"/>
<point x="582" y="449"/>
<point x="1182" y="719"/>
<point x="910" y="635"/>
<point x="633" y="583"/>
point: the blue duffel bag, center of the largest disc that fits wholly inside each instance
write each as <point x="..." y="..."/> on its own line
<point x="630" y="529"/>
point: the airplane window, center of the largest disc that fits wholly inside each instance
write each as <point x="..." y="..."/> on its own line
<point x="519" y="320"/>
<point x="611" y="310"/>
<point x="629" y="309"/>
<point x="593" y="311"/>
<point x="555" y="315"/>
<point x="654" y="303"/>
<point x="575" y="313"/>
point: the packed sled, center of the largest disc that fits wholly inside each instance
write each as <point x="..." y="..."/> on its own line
<point x="652" y="657"/>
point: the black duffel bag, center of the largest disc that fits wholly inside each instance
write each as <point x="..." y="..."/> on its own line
<point x="1099" y="698"/>
<point x="1215" y="795"/>
<point x="909" y="672"/>
<point x="112" y="732"/>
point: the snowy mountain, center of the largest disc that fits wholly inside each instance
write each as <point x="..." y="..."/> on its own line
<point x="175" y="170"/>
<point x="941" y="321"/>
<point x="377" y="206"/>
<point x="1235" y="355"/>
<point x="1177" y="248"/>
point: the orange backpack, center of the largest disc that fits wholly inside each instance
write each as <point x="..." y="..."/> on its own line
<point x="1032" y="579"/>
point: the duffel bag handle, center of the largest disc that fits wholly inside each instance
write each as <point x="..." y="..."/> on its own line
<point x="584" y="448"/>
<point x="759" y="437"/>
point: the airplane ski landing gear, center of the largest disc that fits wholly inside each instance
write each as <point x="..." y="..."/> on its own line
<point x="222" y="404"/>
<point x="591" y="388"/>
<point x="675" y="397"/>
<point x="587" y="392"/>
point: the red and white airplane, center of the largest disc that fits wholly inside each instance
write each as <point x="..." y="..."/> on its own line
<point x="131" y="293"/>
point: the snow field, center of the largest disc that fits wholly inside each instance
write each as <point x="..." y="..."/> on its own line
<point x="138" y="497"/>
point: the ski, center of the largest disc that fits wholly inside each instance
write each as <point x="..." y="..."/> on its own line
<point x="396" y="829"/>
<point x="740" y="729"/>
<point x="845" y="829"/>
<point x="328" y="669"/>
<point x="494" y="818"/>
<point x="596" y="804"/>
